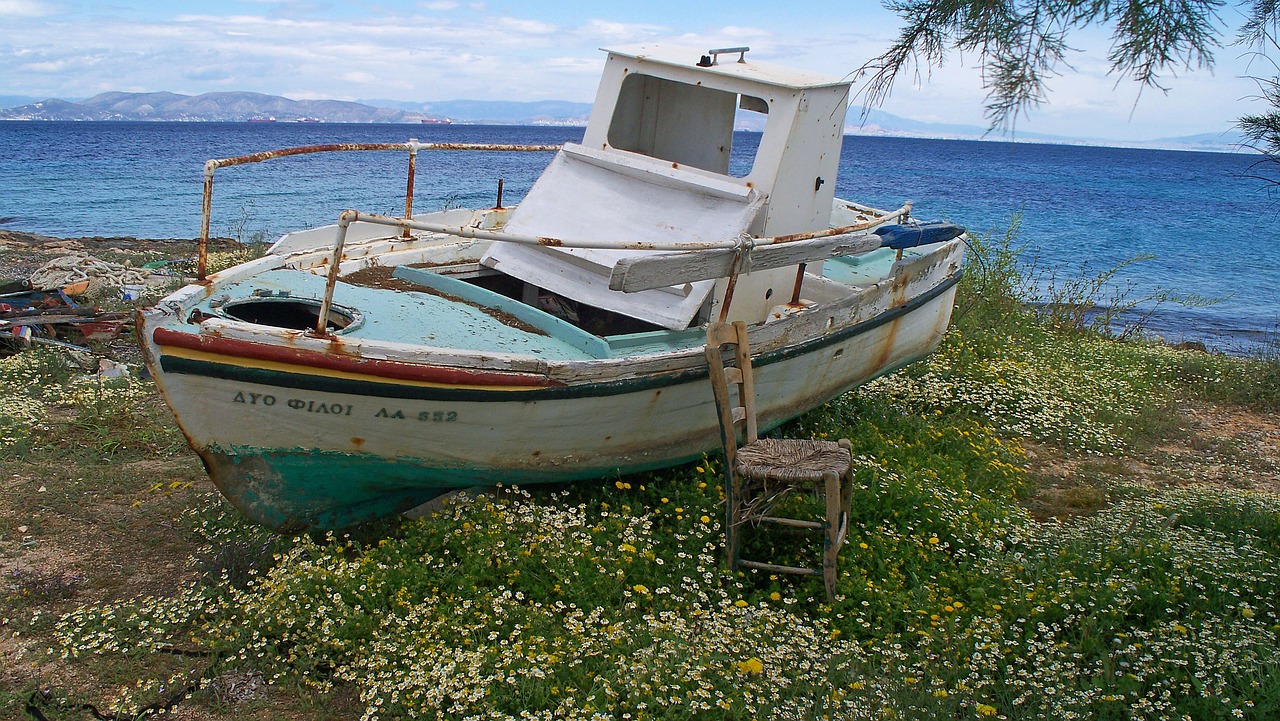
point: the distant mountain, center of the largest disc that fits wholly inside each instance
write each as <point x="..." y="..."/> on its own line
<point x="242" y="106"/>
<point x="498" y="112"/>
<point x="51" y="109"/>
<point x="1226" y="141"/>
<point x="233" y="106"/>
<point x="878" y="122"/>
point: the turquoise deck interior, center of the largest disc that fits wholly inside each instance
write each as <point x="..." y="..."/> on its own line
<point x="410" y="317"/>
<point x="859" y="269"/>
<point x="460" y="321"/>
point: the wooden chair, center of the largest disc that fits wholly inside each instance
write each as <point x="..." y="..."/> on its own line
<point x="760" y="472"/>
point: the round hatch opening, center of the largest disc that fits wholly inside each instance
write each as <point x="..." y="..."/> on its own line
<point x="291" y="313"/>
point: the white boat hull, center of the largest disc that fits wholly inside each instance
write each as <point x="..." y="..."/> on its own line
<point x="298" y="446"/>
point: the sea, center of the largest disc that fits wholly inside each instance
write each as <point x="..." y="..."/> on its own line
<point x="1195" y="225"/>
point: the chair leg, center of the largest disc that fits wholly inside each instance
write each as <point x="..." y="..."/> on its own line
<point x="831" y="539"/>
<point x="846" y="496"/>
<point x="732" y="528"/>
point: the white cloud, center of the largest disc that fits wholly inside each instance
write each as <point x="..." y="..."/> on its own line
<point x="400" y="51"/>
<point x="608" y="32"/>
<point x="50" y="66"/>
<point x="358" y="77"/>
<point x="25" y="8"/>
<point x="522" y="25"/>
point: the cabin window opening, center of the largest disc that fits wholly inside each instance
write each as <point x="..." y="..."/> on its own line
<point x="291" y="313"/>
<point x="686" y="124"/>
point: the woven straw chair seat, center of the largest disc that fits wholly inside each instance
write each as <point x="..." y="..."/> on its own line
<point x="787" y="460"/>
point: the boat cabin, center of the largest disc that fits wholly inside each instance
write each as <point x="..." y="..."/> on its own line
<point x="657" y="163"/>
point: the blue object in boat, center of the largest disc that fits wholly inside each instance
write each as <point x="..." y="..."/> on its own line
<point x="909" y="236"/>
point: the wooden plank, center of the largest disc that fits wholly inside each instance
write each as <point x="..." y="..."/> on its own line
<point x="790" y="522"/>
<point x="775" y="568"/>
<point x="646" y="272"/>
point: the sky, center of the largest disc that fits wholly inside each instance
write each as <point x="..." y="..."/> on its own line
<point x="533" y="50"/>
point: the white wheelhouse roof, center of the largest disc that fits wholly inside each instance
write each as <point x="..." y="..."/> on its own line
<point x="727" y="66"/>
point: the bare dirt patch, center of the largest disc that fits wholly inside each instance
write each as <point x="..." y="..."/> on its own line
<point x="1220" y="446"/>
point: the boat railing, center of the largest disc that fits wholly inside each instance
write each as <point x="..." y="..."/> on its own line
<point x="412" y="146"/>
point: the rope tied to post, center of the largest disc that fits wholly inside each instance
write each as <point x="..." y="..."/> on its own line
<point x="743" y="247"/>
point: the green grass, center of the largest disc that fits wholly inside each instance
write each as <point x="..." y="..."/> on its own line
<point x="611" y="601"/>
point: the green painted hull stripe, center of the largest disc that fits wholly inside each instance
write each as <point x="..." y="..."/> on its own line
<point x="305" y="381"/>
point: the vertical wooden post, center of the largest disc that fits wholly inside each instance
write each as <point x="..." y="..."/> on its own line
<point x="408" y="193"/>
<point x="206" y="209"/>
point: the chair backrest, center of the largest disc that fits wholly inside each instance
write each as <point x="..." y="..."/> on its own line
<point x="737" y="415"/>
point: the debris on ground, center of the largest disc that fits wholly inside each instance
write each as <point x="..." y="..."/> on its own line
<point x="79" y="294"/>
<point x="51" y="305"/>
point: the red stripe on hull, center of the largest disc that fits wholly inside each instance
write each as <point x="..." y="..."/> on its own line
<point x="338" y="360"/>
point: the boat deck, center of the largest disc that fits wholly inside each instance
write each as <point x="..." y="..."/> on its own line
<point x="451" y="313"/>
<point x="427" y="318"/>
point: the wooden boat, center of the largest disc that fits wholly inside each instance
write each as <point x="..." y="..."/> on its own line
<point x="560" y="339"/>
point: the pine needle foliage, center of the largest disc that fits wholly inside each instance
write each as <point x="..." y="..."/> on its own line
<point x="1022" y="44"/>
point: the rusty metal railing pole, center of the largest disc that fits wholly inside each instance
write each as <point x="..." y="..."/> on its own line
<point x="202" y="253"/>
<point x="413" y="146"/>
<point x="795" y="291"/>
<point x="408" y="193"/>
<point x="344" y="222"/>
